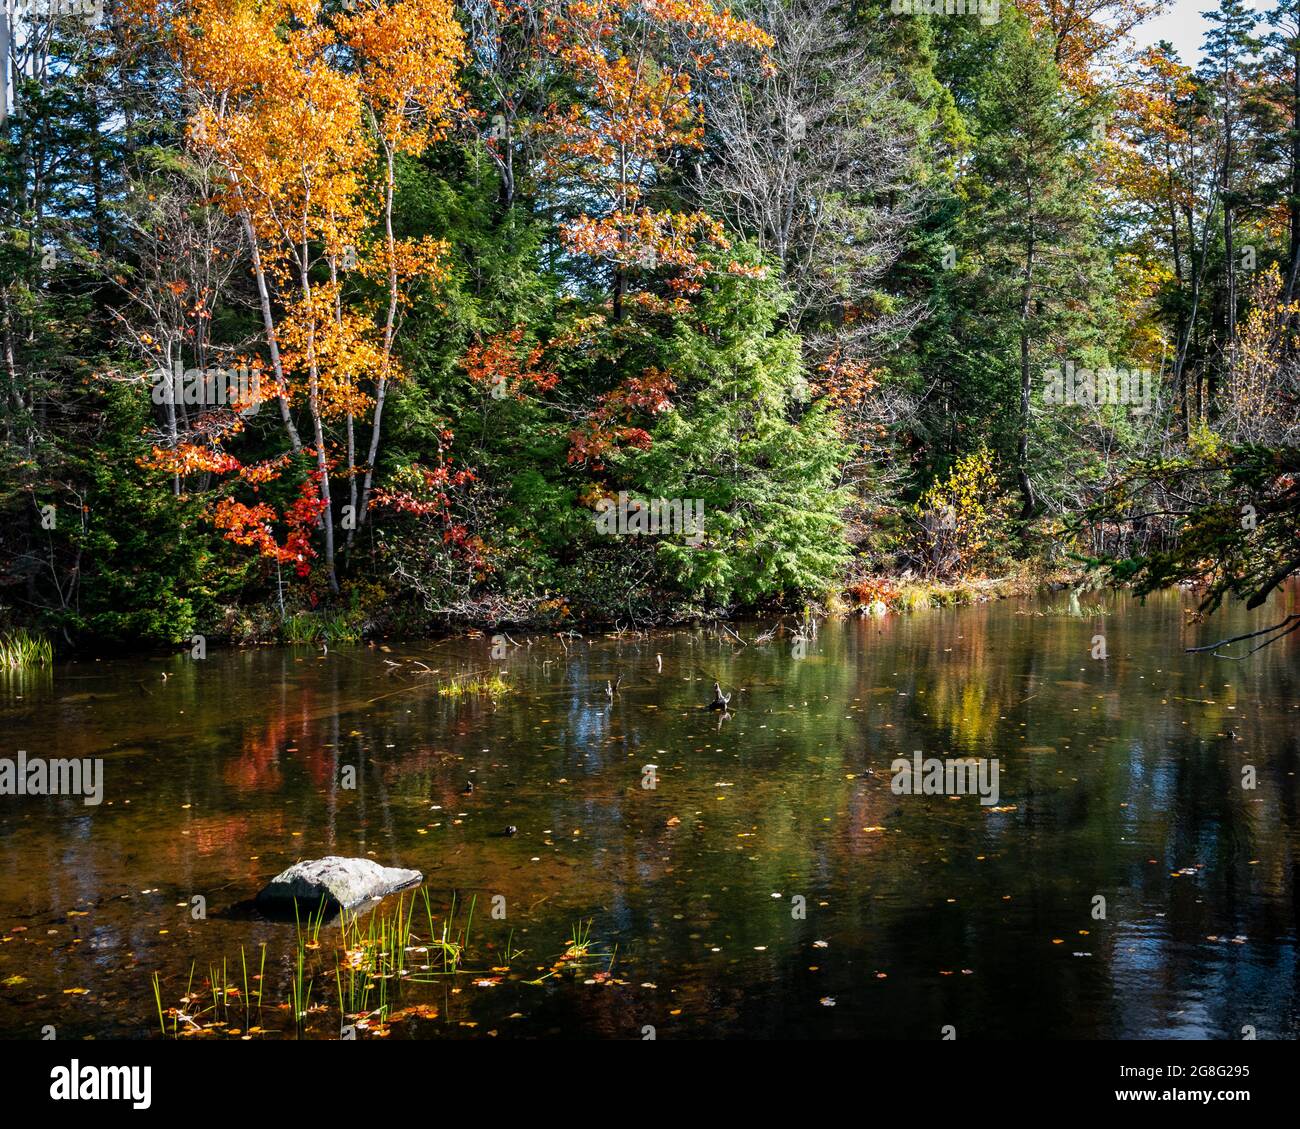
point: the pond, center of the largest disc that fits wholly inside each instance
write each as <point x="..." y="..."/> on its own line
<point x="675" y="872"/>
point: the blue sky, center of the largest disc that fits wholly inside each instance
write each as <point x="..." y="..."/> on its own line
<point x="1184" y="27"/>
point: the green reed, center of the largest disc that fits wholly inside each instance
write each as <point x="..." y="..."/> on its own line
<point x="22" y="650"/>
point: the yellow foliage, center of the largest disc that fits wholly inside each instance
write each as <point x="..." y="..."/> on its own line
<point x="1255" y="397"/>
<point x="959" y="515"/>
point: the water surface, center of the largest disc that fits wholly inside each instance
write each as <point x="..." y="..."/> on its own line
<point x="1120" y="779"/>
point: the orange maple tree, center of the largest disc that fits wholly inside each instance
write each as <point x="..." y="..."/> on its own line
<point x="507" y="365"/>
<point x="634" y="108"/>
<point x="293" y="103"/>
<point x="1086" y="34"/>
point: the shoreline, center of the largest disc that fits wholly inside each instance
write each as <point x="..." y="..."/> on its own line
<point x="262" y="625"/>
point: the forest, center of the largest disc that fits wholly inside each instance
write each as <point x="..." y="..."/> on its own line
<point x="545" y="520"/>
<point x="325" y="320"/>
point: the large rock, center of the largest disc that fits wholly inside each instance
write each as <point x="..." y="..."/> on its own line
<point x="341" y="883"/>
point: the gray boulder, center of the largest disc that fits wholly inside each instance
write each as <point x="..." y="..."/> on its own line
<point x="340" y="883"/>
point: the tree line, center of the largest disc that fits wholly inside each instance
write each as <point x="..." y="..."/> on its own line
<point x="882" y="294"/>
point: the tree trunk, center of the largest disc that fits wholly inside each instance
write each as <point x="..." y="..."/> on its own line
<point x="268" y="325"/>
<point x="381" y="387"/>
<point x="1022" y="445"/>
<point x="318" y="430"/>
<point x="1293" y="262"/>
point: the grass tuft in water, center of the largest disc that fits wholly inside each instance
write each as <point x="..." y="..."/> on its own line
<point x="157" y="998"/>
<point x="1076" y="609"/>
<point x="580" y="943"/>
<point x="474" y="684"/>
<point x="308" y="939"/>
<point x="319" y="627"/>
<point x="21" y="650"/>
<point x="372" y="957"/>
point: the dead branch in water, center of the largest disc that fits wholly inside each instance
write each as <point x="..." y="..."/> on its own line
<point x="1214" y="647"/>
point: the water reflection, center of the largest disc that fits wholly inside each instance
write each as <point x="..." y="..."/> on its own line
<point x="1120" y="779"/>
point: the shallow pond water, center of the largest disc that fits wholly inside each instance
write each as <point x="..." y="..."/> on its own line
<point x="771" y="883"/>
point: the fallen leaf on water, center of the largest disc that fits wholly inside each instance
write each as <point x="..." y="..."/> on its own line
<point x="416" y="1011"/>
